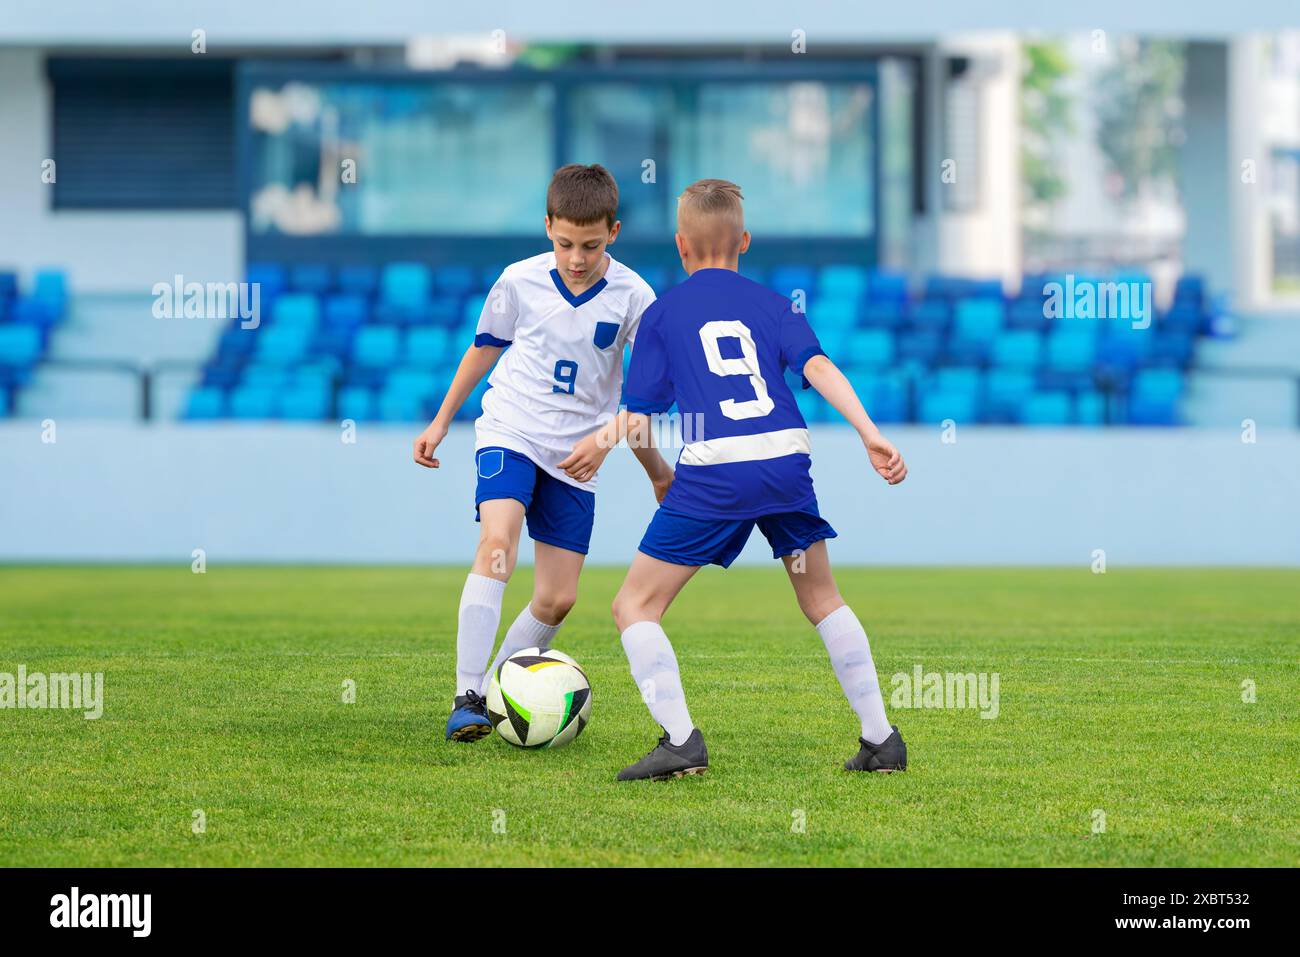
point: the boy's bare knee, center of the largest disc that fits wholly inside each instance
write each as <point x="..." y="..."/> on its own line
<point x="628" y="611"/>
<point x="817" y="607"/>
<point x="551" y="609"/>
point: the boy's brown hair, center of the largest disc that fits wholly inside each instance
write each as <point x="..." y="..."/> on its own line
<point x="582" y="195"/>
<point x="711" y="213"/>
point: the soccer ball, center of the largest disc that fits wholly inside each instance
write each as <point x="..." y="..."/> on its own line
<point x="539" y="698"/>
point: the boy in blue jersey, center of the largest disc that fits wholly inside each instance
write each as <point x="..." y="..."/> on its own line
<point x="718" y="346"/>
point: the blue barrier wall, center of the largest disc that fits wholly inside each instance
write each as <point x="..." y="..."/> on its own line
<point x="119" y="492"/>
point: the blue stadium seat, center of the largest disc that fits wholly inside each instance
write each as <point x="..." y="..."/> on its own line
<point x="472" y="309"/>
<point x="1183" y="317"/>
<point x="8" y="285"/>
<point x="206" y="402"/>
<point x="786" y="279"/>
<point x="282" y="345"/>
<point x="405" y="285"/>
<point x="224" y="373"/>
<point x="833" y="313"/>
<point x="270" y="376"/>
<point x="885" y="287"/>
<point x="252" y="402"/>
<point x="843" y="281"/>
<point x="1028" y="314"/>
<point x="314" y="278"/>
<point x="1190" y="291"/>
<point x="51" y="286"/>
<point x="937" y="406"/>
<point x="1153" y="398"/>
<point x="922" y="347"/>
<point x="399" y="407"/>
<point x="882" y="315"/>
<point x="883" y="394"/>
<point x="20" y="345"/>
<point x="1005" y="392"/>
<point x="1171" y="347"/>
<point x="930" y="314"/>
<point x="1018" y="350"/>
<point x="445" y="312"/>
<point x="357" y="404"/>
<point x="869" y="349"/>
<point x="427" y="347"/>
<point x="300" y="310"/>
<point x="976" y="322"/>
<point x="1122" y="347"/>
<point x="1090" y="408"/>
<point x="359" y="280"/>
<point x="1046" y="408"/>
<point x="346" y="311"/>
<point x="35" y="312"/>
<point x="1071" y="350"/>
<point x="303" y="403"/>
<point x="376" y="347"/>
<point x="454" y="280"/>
<point x="268" y="277"/>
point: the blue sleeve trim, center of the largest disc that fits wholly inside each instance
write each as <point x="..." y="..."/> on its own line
<point x="487" y="339"/>
<point x="645" y="406"/>
<point x="803" y="360"/>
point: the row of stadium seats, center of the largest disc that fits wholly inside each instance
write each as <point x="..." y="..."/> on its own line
<point x="372" y="343"/>
<point x="27" y="320"/>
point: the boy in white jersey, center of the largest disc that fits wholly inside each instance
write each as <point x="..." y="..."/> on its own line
<point x="565" y="316"/>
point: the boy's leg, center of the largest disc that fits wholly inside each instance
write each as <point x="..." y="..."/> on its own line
<point x="480" y="613"/>
<point x="650" y="587"/>
<point x="555" y="588"/>
<point x="844" y="637"/>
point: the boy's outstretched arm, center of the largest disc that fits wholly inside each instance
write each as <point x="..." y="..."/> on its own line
<point x="829" y="381"/>
<point x="474" y="365"/>
<point x="589" y="454"/>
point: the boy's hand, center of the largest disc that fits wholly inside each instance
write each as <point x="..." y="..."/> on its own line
<point x="662" y="484"/>
<point x="885" y="459"/>
<point x="587" y="456"/>
<point x="427" y="443"/>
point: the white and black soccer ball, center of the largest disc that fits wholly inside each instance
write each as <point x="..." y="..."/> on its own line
<point x="539" y="698"/>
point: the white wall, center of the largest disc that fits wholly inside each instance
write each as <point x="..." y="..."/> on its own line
<point x="101" y="252"/>
<point x="310" y="22"/>
<point x="997" y="496"/>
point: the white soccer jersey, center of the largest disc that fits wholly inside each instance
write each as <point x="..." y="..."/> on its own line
<point x="562" y="376"/>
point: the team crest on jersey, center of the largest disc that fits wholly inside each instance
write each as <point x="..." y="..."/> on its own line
<point x="605" y="334"/>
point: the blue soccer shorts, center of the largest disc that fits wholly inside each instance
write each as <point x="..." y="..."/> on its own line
<point x="685" y="540"/>
<point x="557" y="513"/>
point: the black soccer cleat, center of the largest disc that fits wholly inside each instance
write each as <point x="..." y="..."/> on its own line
<point x="887" y="756"/>
<point x="669" y="760"/>
<point x="469" y="718"/>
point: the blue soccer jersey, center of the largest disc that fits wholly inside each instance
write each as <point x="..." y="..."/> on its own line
<point x="718" y="345"/>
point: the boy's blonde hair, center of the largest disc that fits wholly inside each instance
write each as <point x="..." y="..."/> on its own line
<point x="711" y="215"/>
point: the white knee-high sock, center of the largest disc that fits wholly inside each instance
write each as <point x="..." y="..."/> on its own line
<point x="850" y="652"/>
<point x="526" y="632"/>
<point x="654" y="668"/>
<point x="480" y="614"/>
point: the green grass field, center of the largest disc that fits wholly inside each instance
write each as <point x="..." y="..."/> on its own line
<point x="1119" y="693"/>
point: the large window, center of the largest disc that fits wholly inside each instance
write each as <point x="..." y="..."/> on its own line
<point x="449" y="156"/>
<point x="383" y="159"/>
